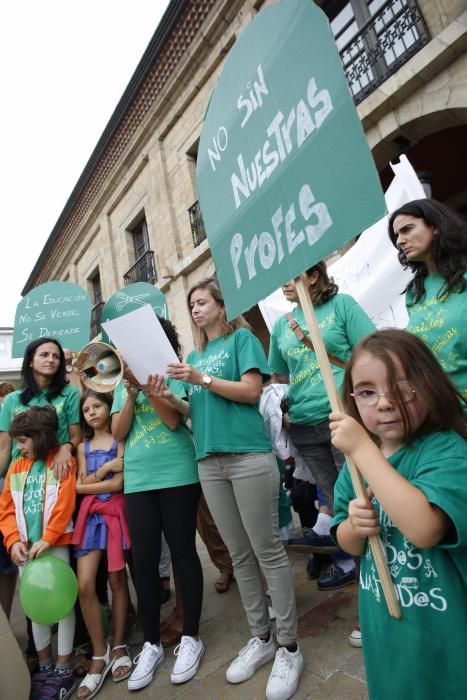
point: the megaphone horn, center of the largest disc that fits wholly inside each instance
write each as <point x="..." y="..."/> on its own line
<point x="100" y="367"/>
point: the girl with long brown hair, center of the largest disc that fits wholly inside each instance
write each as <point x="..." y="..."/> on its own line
<point x="405" y="431"/>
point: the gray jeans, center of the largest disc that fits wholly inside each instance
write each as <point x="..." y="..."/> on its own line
<point x="242" y="492"/>
<point x="313" y="442"/>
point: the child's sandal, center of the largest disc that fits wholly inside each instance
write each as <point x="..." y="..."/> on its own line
<point x="120" y="662"/>
<point x="94" y="681"/>
<point x="82" y="659"/>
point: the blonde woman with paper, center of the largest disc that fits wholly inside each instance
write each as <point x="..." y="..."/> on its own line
<point x="240" y="481"/>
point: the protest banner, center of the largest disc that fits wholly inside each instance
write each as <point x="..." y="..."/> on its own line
<point x="131" y="298"/>
<point x="58" y="310"/>
<point x="284" y="172"/>
<point x="370" y="271"/>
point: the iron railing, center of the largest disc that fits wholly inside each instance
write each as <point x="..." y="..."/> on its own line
<point x="142" y="271"/>
<point x="384" y="43"/>
<point x="197" y="224"/>
<point x="96" y="314"/>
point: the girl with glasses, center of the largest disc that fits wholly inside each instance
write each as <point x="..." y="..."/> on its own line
<point x="406" y="432"/>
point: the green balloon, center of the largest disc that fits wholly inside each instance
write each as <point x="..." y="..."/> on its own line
<point x="47" y="590"/>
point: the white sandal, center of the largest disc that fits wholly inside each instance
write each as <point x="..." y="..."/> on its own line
<point x="122" y="661"/>
<point x="94" y="681"/>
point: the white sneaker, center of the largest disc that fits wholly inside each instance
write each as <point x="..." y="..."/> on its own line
<point x="252" y="656"/>
<point x="146" y="663"/>
<point x="285" y="674"/>
<point x="188" y="653"/>
<point x="355" y="637"/>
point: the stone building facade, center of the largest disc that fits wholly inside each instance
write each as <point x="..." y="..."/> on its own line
<point x="133" y="214"/>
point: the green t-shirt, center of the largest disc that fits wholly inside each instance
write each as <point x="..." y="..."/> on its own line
<point x="422" y="656"/>
<point x="66" y="405"/>
<point x="342" y="323"/>
<point x="33" y="500"/>
<point x="156" y="457"/>
<point x="442" y="325"/>
<point x="221" y="425"/>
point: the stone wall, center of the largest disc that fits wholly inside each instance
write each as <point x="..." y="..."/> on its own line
<point x="154" y="173"/>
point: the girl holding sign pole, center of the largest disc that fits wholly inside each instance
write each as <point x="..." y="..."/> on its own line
<point x="240" y="480"/>
<point x="405" y="431"/>
<point x="292" y="358"/>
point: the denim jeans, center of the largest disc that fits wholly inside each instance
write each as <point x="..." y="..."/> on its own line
<point x="313" y="442"/>
<point x="242" y="492"/>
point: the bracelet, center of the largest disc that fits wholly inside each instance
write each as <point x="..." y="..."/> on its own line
<point x="73" y="448"/>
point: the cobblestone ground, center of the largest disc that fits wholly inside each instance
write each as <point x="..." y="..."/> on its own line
<point x="333" y="669"/>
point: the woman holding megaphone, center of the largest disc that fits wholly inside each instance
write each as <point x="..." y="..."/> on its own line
<point x="162" y="492"/>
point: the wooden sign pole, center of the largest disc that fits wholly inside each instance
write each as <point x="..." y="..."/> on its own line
<point x="334" y="399"/>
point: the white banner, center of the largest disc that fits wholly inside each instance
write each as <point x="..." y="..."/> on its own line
<point x="370" y="271"/>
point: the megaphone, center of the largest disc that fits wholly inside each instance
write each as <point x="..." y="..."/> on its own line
<point x="100" y="367"/>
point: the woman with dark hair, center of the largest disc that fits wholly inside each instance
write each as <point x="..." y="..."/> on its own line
<point x="240" y="480"/>
<point x="431" y="240"/>
<point x="162" y="490"/>
<point x="342" y="323"/>
<point x="44" y="383"/>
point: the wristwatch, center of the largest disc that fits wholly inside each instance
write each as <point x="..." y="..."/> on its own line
<point x="68" y="368"/>
<point x="206" y="381"/>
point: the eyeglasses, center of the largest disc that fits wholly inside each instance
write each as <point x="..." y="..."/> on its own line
<point x="370" y="397"/>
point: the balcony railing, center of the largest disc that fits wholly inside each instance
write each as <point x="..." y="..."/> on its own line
<point x="392" y="36"/>
<point x="197" y="224"/>
<point x="96" y="314"/>
<point x="142" y="271"/>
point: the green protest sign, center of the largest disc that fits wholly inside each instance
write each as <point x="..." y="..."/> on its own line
<point x="130" y="298"/>
<point x="284" y="174"/>
<point x="59" y="310"/>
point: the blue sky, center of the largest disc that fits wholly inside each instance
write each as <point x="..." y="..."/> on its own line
<point x="64" y="67"/>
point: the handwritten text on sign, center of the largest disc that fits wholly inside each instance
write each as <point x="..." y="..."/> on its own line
<point x="283" y="150"/>
<point x="59" y="310"/>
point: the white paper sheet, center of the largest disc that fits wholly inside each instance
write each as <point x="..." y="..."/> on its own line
<point x="141" y="340"/>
